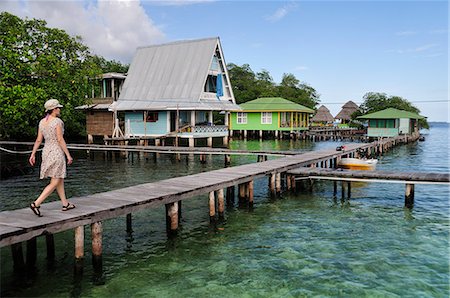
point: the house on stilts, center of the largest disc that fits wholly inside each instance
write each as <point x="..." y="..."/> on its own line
<point x="392" y="122"/>
<point x="173" y="91"/>
<point x="99" y="119"/>
<point x="270" y="115"/>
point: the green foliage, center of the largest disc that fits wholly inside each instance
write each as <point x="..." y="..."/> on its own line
<point x="38" y="63"/>
<point x="375" y="101"/>
<point x="248" y="86"/>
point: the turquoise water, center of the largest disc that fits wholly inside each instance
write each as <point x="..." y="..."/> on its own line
<point x="303" y="244"/>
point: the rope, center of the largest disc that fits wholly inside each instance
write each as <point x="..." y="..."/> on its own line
<point x="17" y="152"/>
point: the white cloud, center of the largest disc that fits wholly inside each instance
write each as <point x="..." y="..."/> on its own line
<point x="419" y="49"/>
<point x="406" y="33"/>
<point x="281" y="12"/>
<point x="112" y="29"/>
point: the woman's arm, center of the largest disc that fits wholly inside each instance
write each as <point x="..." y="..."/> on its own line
<point x="62" y="143"/>
<point x="36" y="146"/>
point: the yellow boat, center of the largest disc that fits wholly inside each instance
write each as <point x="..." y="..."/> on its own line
<point x="357" y="164"/>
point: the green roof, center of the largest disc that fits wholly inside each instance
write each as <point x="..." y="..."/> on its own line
<point x="391" y="113"/>
<point x="274" y="104"/>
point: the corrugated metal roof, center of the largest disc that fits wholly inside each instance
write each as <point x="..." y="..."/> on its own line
<point x="274" y="104"/>
<point x="164" y="76"/>
<point x="391" y="113"/>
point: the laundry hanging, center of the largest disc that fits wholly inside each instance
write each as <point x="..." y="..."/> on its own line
<point x="219" y="86"/>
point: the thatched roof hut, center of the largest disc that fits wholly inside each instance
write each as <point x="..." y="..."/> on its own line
<point x="347" y="110"/>
<point x="322" y="115"/>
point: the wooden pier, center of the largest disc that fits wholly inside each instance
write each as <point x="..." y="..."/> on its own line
<point x="407" y="178"/>
<point x="17" y="226"/>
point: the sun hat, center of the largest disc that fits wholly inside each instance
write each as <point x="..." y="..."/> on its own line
<point x="52" y="104"/>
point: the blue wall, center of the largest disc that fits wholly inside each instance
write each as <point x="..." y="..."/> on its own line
<point x="140" y="128"/>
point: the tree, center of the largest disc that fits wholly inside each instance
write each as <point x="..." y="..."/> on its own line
<point x="38" y="63"/>
<point x="375" y="101"/>
<point x="248" y="86"/>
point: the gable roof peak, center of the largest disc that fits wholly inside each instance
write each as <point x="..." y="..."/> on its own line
<point x="176" y="42"/>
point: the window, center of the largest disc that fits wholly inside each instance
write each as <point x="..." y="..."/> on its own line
<point x="152" y="117"/>
<point x="266" y="118"/>
<point x="241" y="118"/>
<point x="211" y="84"/>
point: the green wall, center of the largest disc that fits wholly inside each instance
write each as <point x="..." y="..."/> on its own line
<point x="254" y="123"/>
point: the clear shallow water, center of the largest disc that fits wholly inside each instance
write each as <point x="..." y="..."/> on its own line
<point x="301" y="244"/>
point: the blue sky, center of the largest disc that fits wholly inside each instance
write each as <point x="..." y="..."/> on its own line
<point x="341" y="48"/>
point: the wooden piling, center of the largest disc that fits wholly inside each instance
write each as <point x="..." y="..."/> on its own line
<point x="50" y="244"/>
<point x="227" y="159"/>
<point x="278" y="182"/>
<point x="212" y="206"/>
<point x="349" y="190"/>
<point x="409" y="195"/>
<point x="272" y="183"/>
<point x="79" y="242"/>
<point x="31" y="252"/>
<point x="220" y="203"/>
<point x="288" y="181"/>
<point x="96" y="238"/>
<point x="250" y="192"/>
<point x="334" y="189"/>
<point x="172" y="217"/>
<point x="242" y="192"/>
<point x="230" y="196"/>
<point x="129" y="224"/>
<point x="17" y="255"/>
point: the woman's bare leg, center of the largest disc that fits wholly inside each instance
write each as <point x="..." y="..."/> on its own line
<point x="61" y="192"/>
<point x="47" y="191"/>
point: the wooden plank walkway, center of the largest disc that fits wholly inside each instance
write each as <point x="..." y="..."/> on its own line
<point x="21" y="225"/>
<point x="372" y="176"/>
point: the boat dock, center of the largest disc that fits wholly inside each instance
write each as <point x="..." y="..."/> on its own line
<point x="407" y="178"/>
<point x="17" y="226"/>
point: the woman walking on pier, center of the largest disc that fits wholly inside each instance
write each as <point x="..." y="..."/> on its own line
<point x="53" y="165"/>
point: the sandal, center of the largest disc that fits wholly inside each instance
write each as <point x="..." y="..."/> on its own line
<point x="36" y="209"/>
<point x="68" y="207"/>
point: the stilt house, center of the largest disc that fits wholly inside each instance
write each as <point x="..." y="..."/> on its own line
<point x="173" y="89"/>
<point x="392" y="122"/>
<point x="99" y="120"/>
<point x="271" y="114"/>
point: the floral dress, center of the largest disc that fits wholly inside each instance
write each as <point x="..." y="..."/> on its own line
<point x="53" y="159"/>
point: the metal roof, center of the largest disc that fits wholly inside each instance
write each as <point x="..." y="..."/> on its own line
<point x="391" y="113"/>
<point x="171" y="76"/>
<point x="274" y="104"/>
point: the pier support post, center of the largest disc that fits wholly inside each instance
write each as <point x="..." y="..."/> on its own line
<point x="278" y="183"/>
<point x="172" y="217"/>
<point x="250" y="193"/>
<point x="191" y="142"/>
<point x="227" y="159"/>
<point x="288" y="181"/>
<point x="212" y="206"/>
<point x="17" y="255"/>
<point x="409" y="196"/>
<point x="272" y="183"/>
<point x="349" y="190"/>
<point x="209" y="141"/>
<point x="220" y="203"/>
<point x="79" y="242"/>
<point x="242" y="191"/>
<point x="96" y="238"/>
<point x="342" y="190"/>
<point x="225" y="141"/>
<point x="31" y="252"/>
<point x="335" y="189"/>
<point x="230" y="196"/>
<point x="50" y="243"/>
<point x="293" y="183"/>
<point x="129" y="224"/>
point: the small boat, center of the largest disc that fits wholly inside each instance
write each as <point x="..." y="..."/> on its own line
<point x="357" y="164"/>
